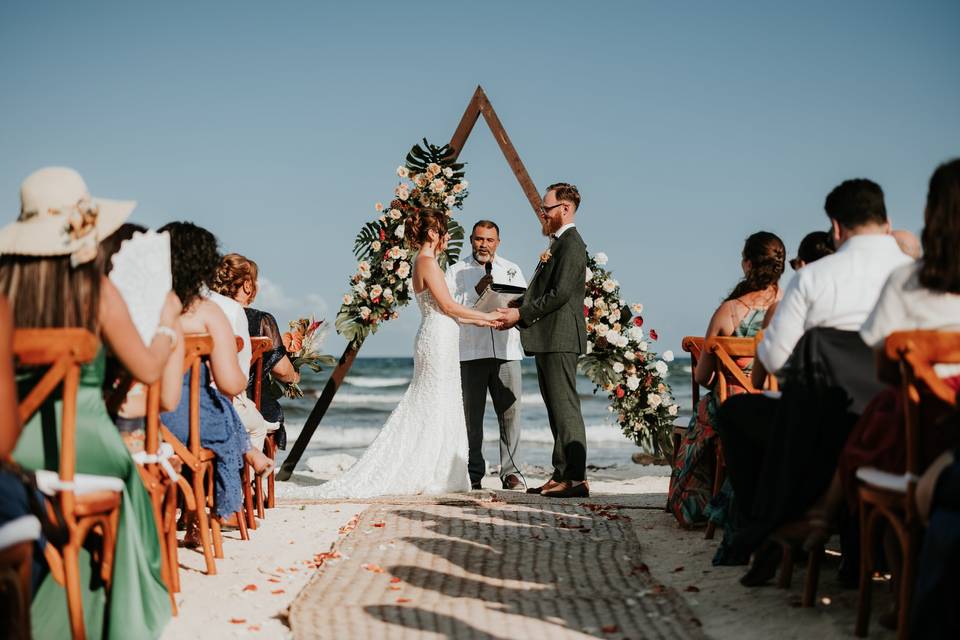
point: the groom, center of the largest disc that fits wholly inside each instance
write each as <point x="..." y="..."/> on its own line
<point x="552" y="329"/>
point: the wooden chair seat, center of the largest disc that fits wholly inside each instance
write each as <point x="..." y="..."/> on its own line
<point x="97" y="503"/>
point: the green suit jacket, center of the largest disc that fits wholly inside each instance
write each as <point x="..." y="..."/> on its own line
<point x="551" y="311"/>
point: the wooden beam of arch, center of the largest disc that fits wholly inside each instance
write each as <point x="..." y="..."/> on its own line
<point x="479" y="105"/>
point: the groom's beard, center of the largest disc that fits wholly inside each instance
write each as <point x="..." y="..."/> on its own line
<point x="550" y="226"/>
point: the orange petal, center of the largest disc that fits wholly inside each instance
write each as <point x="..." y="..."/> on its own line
<point x="250" y="587"/>
<point x="277" y="592"/>
<point x="402" y="600"/>
<point x="238" y="620"/>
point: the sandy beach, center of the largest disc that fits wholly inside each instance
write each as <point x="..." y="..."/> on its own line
<point x="259" y="580"/>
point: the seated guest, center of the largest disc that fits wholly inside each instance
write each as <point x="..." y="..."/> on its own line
<point x="783" y="452"/>
<point x="52" y="277"/>
<point x="934" y="614"/>
<point x="814" y="246"/>
<point x="740" y="315"/>
<point x="919" y="295"/>
<point x="237" y="279"/>
<point x="132" y="407"/>
<point x="194" y="258"/>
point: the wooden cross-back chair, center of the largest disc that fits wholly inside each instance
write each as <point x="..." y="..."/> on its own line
<point x="892" y="497"/>
<point x="725" y="351"/>
<point x="250" y="522"/>
<point x="694" y="346"/>
<point x="88" y="503"/>
<point x="260" y="346"/>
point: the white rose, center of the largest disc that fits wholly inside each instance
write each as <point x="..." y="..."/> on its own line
<point x="633" y="383"/>
<point x="654" y="400"/>
<point x="672" y="409"/>
<point x="635" y="333"/>
<point x="642" y="346"/>
<point x="360" y="288"/>
<point x="618" y="367"/>
<point x="347" y="299"/>
<point x="375" y="245"/>
<point x="667" y="356"/>
<point x="401" y="253"/>
<point x="448" y="172"/>
<point x="403" y="172"/>
<point x="449" y="201"/>
<point x="395" y="214"/>
<point x="457" y="188"/>
<point x="433" y="169"/>
<point x="388" y="295"/>
<point x="465" y="184"/>
<point x="588" y="303"/>
<point x="364" y="312"/>
<point x="375" y="291"/>
<point x="629" y="356"/>
<point x="660" y="366"/>
<point x="420" y="180"/>
<point x="387" y="265"/>
<point x="364" y="268"/>
<point x="394" y="252"/>
<point x="402" y="192"/>
<point x="609" y="285"/>
<point x="614" y="317"/>
<point x="601" y="258"/>
<point x="378" y="207"/>
<point x="399" y="232"/>
<point x="403" y="270"/>
<point x="438" y="186"/>
<point x="589" y="275"/>
<point x="636" y="308"/>
<point x="602" y="329"/>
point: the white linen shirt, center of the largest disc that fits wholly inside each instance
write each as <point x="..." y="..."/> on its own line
<point x="238" y="322"/>
<point x="836" y="291"/>
<point x="484" y="342"/>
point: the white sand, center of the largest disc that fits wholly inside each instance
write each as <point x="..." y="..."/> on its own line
<point x="277" y="561"/>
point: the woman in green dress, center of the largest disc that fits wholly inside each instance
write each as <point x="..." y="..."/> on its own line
<point x="740" y="315"/>
<point x="51" y="273"/>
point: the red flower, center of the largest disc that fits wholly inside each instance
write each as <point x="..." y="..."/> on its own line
<point x="377" y="301"/>
<point x="653" y="334"/>
<point x="620" y="392"/>
<point x="638" y="320"/>
<point x="586" y="311"/>
<point x="383" y="236"/>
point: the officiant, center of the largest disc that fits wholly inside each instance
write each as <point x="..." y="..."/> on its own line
<point x="489" y="359"/>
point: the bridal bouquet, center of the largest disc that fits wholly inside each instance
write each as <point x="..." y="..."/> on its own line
<point x="620" y="362"/>
<point x="303" y="343"/>
<point x="428" y="179"/>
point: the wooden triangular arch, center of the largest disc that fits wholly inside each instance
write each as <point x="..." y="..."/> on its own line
<point x="479" y="105"/>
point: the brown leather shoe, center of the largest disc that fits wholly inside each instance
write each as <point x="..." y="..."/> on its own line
<point x="568" y="489"/>
<point x="511" y="482"/>
<point x="549" y="484"/>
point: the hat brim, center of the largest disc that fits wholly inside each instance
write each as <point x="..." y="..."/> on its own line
<point x="43" y="236"/>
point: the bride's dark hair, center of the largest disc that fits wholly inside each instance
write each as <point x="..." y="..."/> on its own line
<point x="419" y="225"/>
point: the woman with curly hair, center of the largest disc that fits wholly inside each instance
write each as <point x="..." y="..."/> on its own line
<point x="740" y="315"/>
<point x="194" y="260"/>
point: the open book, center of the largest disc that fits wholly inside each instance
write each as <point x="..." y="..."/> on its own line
<point x="498" y="296"/>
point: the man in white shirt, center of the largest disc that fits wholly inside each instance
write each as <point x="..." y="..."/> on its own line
<point x="489" y="359"/>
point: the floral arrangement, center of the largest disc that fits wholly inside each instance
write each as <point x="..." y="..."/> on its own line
<point x="430" y="178"/>
<point x="620" y="362"/>
<point x="303" y="343"/>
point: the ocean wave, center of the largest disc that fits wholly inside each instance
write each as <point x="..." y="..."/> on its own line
<point x="373" y="382"/>
<point x="339" y="437"/>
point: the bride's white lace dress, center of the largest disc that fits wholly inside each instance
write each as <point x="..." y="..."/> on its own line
<point x="422" y="448"/>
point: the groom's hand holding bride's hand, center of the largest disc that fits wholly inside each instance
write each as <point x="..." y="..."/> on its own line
<point x="509" y="318"/>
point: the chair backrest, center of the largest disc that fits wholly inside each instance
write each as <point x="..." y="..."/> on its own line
<point x="771" y="381"/>
<point x="724" y="350"/>
<point x="259" y="346"/>
<point x="694" y="346"/>
<point x="197" y="346"/>
<point x="63" y="351"/>
<point x="918" y="352"/>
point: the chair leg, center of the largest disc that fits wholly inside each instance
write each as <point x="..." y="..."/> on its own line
<point x="258" y="496"/>
<point x="812" y="579"/>
<point x="270" y="449"/>
<point x="110" y="526"/>
<point x="906" y="583"/>
<point x="170" y="533"/>
<point x="866" y="571"/>
<point x="251" y="521"/>
<point x="200" y="494"/>
<point x="71" y="571"/>
<point x="786" y="566"/>
<point x="717" y="483"/>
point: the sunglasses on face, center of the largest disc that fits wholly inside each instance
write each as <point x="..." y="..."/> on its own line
<point x="544" y="210"/>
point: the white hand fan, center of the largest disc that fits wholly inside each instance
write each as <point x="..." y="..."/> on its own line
<point x="141" y="272"/>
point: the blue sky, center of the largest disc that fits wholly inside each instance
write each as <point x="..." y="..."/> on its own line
<point x="278" y="126"/>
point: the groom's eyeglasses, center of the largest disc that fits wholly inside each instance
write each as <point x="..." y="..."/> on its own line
<point x="544" y="209"/>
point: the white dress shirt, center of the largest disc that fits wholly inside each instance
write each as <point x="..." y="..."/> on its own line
<point x="560" y="231"/>
<point x="836" y="291"/>
<point x="238" y="322"/>
<point x="484" y="342"/>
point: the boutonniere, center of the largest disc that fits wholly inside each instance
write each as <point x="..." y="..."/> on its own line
<point x="545" y="256"/>
<point x="511" y="274"/>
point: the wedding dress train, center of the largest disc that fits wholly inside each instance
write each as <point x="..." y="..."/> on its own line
<point x="422" y="448"/>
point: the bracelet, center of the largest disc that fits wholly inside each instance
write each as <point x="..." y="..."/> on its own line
<point x="170" y="333"/>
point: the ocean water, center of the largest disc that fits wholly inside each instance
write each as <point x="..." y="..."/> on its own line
<point x="374" y="386"/>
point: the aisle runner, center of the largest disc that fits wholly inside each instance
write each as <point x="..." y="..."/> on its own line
<point x="482" y="569"/>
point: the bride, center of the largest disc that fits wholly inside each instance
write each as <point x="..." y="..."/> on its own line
<point x="422" y="448"/>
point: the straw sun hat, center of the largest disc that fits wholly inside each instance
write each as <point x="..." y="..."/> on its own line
<point x="58" y="216"/>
